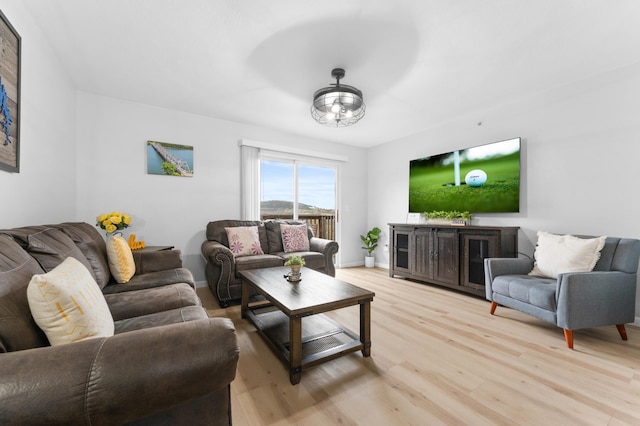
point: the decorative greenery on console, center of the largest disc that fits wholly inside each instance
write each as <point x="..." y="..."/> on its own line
<point x="452" y="215"/>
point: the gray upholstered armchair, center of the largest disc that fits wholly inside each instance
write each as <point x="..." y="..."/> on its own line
<point x="576" y="300"/>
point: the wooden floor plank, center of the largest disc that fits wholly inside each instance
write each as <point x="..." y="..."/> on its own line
<point x="439" y="357"/>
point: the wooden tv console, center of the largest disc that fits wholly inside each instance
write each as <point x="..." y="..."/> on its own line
<point x="450" y="256"/>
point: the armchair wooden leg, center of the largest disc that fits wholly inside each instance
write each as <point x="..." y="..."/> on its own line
<point x="622" y="331"/>
<point x="568" y="336"/>
<point x="494" y="305"/>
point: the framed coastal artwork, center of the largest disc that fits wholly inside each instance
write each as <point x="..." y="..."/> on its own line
<point x="169" y="159"/>
<point x="10" y="44"/>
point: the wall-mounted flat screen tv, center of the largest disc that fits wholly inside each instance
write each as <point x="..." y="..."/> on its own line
<point x="481" y="179"/>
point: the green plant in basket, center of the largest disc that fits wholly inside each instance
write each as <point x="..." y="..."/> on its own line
<point x="452" y="215"/>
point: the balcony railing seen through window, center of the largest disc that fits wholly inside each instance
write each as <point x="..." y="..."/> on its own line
<point x="323" y="226"/>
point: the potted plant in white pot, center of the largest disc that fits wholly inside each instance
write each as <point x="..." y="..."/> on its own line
<point x="294" y="262"/>
<point x="370" y="240"/>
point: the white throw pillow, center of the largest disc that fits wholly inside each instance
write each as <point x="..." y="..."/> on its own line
<point x="557" y="254"/>
<point x="67" y="304"/>
<point x="121" y="263"/>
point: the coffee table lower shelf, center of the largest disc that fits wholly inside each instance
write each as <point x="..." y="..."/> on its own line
<point x="322" y="338"/>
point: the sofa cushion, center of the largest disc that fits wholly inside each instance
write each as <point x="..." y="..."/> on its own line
<point x="121" y="262"/>
<point x="537" y="291"/>
<point x="137" y="303"/>
<point x="93" y="247"/>
<point x="258" y="261"/>
<point x="556" y="254"/>
<point x="49" y="246"/>
<point x="274" y="234"/>
<point x="152" y="279"/>
<point x="18" y="330"/>
<point x="174" y="316"/>
<point x="312" y="259"/>
<point x="216" y="231"/>
<point x="294" y="237"/>
<point x="68" y="305"/>
<point x="244" y="240"/>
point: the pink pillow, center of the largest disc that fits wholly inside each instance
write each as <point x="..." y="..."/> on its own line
<point x="294" y="237"/>
<point x="244" y="241"/>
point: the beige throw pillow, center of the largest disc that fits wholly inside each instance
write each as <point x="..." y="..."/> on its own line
<point x="244" y="240"/>
<point x="556" y="254"/>
<point x="121" y="262"/>
<point x="67" y="304"/>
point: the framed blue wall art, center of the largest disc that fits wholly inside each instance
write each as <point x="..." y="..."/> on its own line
<point x="169" y="159"/>
<point x="10" y="44"/>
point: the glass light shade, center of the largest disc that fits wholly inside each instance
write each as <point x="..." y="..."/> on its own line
<point x="338" y="106"/>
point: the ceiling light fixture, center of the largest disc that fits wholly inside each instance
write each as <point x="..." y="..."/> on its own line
<point x="338" y="105"/>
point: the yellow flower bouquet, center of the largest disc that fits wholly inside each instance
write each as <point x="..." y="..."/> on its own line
<point x="113" y="221"/>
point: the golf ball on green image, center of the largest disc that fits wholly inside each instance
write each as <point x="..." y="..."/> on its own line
<point x="475" y="178"/>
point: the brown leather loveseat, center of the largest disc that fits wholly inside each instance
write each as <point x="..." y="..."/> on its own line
<point x="222" y="266"/>
<point x="167" y="362"/>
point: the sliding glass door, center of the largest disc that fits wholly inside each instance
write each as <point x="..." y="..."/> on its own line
<point x="277" y="190"/>
<point x="294" y="189"/>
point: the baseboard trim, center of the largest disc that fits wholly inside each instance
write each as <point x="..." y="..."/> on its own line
<point x="356" y="264"/>
<point x="351" y="264"/>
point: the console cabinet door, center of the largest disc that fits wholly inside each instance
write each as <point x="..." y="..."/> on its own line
<point x="446" y="256"/>
<point x="401" y="249"/>
<point x="423" y="253"/>
<point x="476" y="248"/>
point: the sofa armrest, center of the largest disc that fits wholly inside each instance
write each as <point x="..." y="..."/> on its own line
<point x="118" y="379"/>
<point x="217" y="253"/>
<point x="221" y="267"/>
<point x="153" y="261"/>
<point x="328" y="248"/>
<point x="214" y="252"/>
<point x="595" y="299"/>
<point x="494" y="267"/>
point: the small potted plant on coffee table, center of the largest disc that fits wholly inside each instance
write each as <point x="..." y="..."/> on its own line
<point x="295" y="262"/>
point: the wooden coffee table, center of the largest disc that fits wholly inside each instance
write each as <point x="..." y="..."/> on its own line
<point x="280" y="320"/>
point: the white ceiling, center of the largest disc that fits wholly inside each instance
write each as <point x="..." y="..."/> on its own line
<point x="418" y="62"/>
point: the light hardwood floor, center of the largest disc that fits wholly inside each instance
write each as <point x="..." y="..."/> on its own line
<point x="438" y="357"/>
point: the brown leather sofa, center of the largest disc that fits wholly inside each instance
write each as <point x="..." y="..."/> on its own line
<point x="168" y="363"/>
<point x="222" y="267"/>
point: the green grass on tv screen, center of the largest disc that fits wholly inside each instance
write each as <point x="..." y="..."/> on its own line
<point x="431" y="186"/>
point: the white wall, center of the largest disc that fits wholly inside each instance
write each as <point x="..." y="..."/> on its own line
<point x="579" y="161"/>
<point x="45" y="188"/>
<point x="112" y="136"/>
